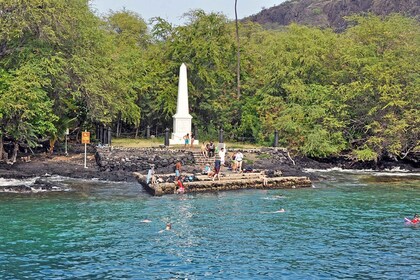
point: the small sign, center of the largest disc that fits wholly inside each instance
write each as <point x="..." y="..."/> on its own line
<point x="85" y="137"/>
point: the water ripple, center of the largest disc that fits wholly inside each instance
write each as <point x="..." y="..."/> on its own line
<point x="348" y="229"/>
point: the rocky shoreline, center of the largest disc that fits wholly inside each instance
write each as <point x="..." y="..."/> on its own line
<point x="73" y="166"/>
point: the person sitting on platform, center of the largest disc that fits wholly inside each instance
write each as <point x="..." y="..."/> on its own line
<point x="212" y="149"/>
<point x="208" y="150"/>
<point x="206" y="169"/>
<point x="203" y="149"/>
<point x="232" y="162"/>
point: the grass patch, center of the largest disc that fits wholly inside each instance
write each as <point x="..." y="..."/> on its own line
<point x="137" y="143"/>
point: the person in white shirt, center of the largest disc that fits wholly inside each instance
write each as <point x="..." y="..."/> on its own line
<point x="222" y="154"/>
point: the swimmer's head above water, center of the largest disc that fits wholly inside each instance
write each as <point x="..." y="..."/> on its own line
<point x="168" y="226"/>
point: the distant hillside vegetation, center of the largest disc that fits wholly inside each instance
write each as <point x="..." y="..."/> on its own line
<point x="330" y="13"/>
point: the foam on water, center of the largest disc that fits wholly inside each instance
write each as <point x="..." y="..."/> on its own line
<point x="17" y="182"/>
<point x="13" y="185"/>
<point x="386" y="172"/>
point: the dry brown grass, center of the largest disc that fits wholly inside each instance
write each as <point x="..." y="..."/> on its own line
<point x="155" y="142"/>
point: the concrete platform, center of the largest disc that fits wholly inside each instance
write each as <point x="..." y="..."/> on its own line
<point x="227" y="182"/>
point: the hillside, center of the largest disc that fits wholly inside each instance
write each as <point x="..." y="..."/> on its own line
<point x="330" y="13"/>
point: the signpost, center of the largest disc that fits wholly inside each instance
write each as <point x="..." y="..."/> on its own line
<point x="65" y="146"/>
<point x="85" y="140"/>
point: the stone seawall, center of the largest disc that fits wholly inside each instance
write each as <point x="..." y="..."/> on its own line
<point x="226" y="183"/>
<point x="139" y="159"/>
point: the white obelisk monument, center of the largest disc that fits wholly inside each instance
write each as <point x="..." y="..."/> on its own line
<point x="182" y="118"/>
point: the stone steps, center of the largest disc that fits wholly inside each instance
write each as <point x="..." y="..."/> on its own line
<point x="202" y="160"/>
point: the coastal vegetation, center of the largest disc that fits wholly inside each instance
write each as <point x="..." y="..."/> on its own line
<point x="355" y="92"/>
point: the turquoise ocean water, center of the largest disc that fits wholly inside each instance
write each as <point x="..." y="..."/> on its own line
<point x="349" y="226"/>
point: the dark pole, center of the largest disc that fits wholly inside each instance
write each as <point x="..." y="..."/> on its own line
<point x="101" y="134"/>
<point x="148" y="131"/>
<point x="195" y="132"/>
<point x="109" y="136"/>
<point x="98" y="131"/>
<point x="167" y="137"/>
<point x="105" y="135"/>
<point x="276" y="139"/>
<point x="221" y="135"/>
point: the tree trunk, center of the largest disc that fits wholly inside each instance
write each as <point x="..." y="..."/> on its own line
<point x="14" y="153"/>
<point x="1" y="148"/>
<point x="52" y="144"/>
<point x="238" y="53"/>
<point x="119" y="125"/>
<point x="137" y="133"/>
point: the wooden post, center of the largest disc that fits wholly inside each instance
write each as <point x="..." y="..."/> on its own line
<point x="148" y="132"/>
<point x="276" y="139"/>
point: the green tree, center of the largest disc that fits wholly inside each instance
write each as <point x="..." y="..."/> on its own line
<point x="379" y="78"/>
<point x="297" y="98"/>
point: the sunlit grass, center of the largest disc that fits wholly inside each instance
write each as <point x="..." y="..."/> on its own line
<point x="137" y="143"/>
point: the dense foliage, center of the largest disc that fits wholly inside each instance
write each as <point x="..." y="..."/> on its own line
<point x="325" y="93"/>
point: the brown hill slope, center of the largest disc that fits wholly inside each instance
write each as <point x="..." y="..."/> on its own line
<point x="330" y="13"/>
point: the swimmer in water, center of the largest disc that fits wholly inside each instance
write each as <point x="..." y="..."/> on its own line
<point x="167" y="228"/>
<point x="278" y="211"/>
<point x="179" y="186"/>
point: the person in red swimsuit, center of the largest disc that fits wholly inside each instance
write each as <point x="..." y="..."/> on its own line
<point x="179" y="185"/>
<point x="416" y="219"/>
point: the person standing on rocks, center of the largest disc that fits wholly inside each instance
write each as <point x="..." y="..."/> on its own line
<point x="151" y="175"/>
<point x="192" y="140"/>
<point x="239" y="158"/>
<point x="178" y="168"/>
<point x="217" y="166"/>
<point x="222" y="154"/>
<point x="186" y="140"/>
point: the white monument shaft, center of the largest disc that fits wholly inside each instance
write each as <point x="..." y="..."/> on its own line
<point x="182" y="118"/>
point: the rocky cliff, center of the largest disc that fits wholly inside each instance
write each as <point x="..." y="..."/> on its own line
<point x="331" y="13"/>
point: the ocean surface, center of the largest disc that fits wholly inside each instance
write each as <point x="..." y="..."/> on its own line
<point x="350" y="225"/>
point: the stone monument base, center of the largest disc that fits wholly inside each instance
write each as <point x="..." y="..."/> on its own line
<point x="180" y="142"/>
